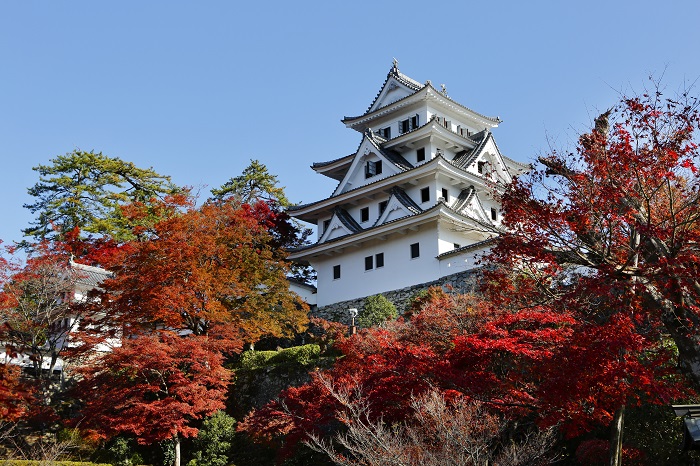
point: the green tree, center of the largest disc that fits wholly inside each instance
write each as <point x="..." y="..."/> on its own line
<point x="214" y="441"/>
<point x="254" y="184"/>
<point x="87" y="190"/>
<point x="377" y="310"/>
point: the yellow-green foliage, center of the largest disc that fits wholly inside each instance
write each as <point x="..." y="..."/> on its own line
<point x="56" y="463"/>
<point x="302" y="355"/>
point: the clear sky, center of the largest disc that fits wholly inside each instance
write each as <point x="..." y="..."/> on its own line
<point x="197" y="89"/>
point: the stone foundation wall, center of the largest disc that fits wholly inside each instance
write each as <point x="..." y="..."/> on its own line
<point x="461" y="282"/>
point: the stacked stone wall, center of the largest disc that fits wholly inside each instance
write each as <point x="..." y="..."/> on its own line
<point x="461" y="282"/>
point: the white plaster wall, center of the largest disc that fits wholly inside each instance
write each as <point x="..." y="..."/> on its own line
<point x="461" y="262"/>
<point x="399" y="269"/>
<point x="304" y="293"/>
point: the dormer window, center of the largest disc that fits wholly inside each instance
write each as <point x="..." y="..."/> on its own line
<point x="372" y="168"/>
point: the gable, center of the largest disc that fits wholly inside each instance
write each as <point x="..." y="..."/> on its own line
<point x="335" y="229"/>
<point x="392" y="91"/>
<point x="469" y="205"/>
<point x="369" y="165"/>
<point x="398" y="206"/>
<point x="487" y="161"/>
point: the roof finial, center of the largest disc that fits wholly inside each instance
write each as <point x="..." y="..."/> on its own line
<point x="396" y="65"/>
<point x="444" y="90"/>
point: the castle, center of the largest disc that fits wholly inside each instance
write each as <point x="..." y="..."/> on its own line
<point x="415" y="201"/>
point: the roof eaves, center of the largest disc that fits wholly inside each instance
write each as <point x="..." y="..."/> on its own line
<point x="311" y="246"/>
<point x="470" y="247"/>
<point x="496" y="119"/>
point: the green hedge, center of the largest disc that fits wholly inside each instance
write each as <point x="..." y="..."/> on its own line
<point x="302" y="355"/>
<point x="56" y="463"/>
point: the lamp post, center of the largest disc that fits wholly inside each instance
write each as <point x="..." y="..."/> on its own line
<point x="353" y="314"/>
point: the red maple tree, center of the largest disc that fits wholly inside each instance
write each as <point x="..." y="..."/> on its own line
<point x="154" y="387"/>
<point x="611" y="233"/>
<point x="536" y="364"/>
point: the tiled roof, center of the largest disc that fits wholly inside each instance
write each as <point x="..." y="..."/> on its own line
<point x="90" y="276"/>
<point x="310" y="246"/>
<point x="466" y="158"/>
<point x="405" y="200"/>
<point x="465" y="196"/>
<point x="468" y="248"/>
<point x="330" y="162"/>
<point x="379" y="180"/>
<point x="347" y="220"/>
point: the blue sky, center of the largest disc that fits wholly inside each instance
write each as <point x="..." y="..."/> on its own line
<point x="197" y="89"/>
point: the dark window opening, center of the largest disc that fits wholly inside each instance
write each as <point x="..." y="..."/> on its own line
<point x="420" y="154"/>
<point x="336" y="272"/>
<point x="379" y="259"/>
<point x="326" y="224"/>
<point x="415" y="250"/>
<point x="445" y="195"/>
<point x="382" y="207"/>
<point x="364" y="214"/>
<point x="494" y="213"/>
<point x="425" y="195"/>
<point x="385" y="132"/>
<point x="373" y="168"/>
<point x="480" y="166"/>
<point x="404" y="126"/>
<point x="414" y="121"/>
<point x="457" y="246"/>
<point x="369" y="263"/>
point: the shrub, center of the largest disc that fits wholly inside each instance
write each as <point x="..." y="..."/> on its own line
<point x="212" y="447"/>
<point x="377" y="310"/>
<point x="302" y="355"/>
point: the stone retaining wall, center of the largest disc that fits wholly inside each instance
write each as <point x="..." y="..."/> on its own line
<point x="461" y="282"/>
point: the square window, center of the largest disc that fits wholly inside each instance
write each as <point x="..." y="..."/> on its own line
<point x="494" y="213"/>
<point x="373" y="168"/>
<point x="420" y="154"/>
<point x="369" y="263"/>
<point x="457" y="246"/>
<point x="336" y="272"/>
<point x="364" y="214"/>
<point x="425" y="195"/>
<point x="385" y="132"/>
<point x="414" y="121"/>
<point x="379" y="259"/>
<point x="415" y="250"/>
<point x="445" y="195"/>
<point x="404" y="126"/>
<point x="480" y="166"/>
<point x="382" y="207"/>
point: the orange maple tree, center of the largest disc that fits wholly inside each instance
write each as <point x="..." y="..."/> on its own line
<point x="213" y="270"/>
